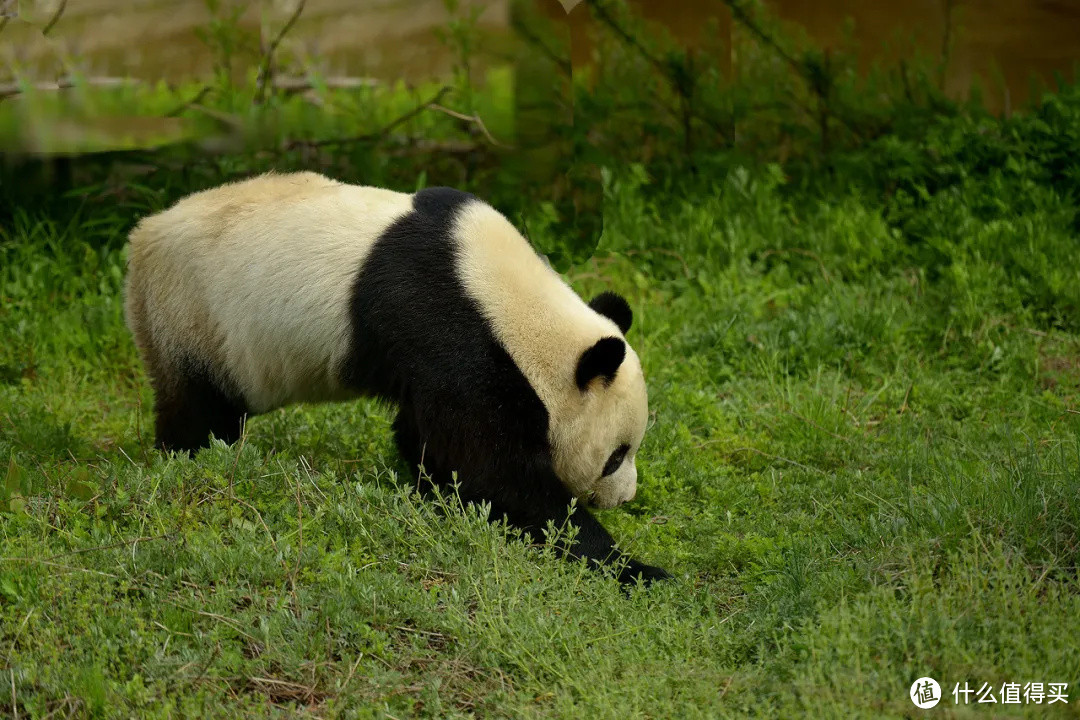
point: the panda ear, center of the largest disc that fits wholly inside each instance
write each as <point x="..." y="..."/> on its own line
<point x="602" y="360"/>
<point x="614" y="307"/>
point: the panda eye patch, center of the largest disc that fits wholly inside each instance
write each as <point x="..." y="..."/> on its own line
<point x="615" y="460"/>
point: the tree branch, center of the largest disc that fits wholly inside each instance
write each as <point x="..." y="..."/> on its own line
<point x="742" y="16"/>
<point x="268" y="56"/>
<point x="686" y="110"/>
<point x="378" y="134"/>
<point x="55" y="18"/>
<point x="193" y="101"/>
<point x="11" y="89"/>
<point x="300" y="84"/>
<point x="474" y="119"/>
<point x="564" y="65"/>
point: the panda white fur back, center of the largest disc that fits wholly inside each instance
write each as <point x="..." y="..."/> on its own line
<point x="297" y="288"/>
<point x="259" y="274"/>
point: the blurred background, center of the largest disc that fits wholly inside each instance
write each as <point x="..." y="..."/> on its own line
<point x="487" y="94"/>
<point x="1000" y="42"/>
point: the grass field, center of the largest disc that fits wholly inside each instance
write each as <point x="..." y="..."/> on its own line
<point x="863" y="467"/>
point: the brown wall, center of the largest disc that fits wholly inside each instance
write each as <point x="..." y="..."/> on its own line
<point x="685" y="20"/>
<point x="991" y="40"/>
<point x="1003" y="43"/>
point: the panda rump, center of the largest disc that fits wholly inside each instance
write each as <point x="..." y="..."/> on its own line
<point x="289" y="288"/>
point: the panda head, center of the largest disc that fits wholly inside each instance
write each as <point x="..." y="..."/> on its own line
<point x="595" y="443"/>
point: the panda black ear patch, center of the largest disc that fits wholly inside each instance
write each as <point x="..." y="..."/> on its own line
<point x="602" y="360"/>
<point x="614" y="307"/>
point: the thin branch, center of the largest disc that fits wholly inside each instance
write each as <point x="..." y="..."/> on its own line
<point x="474" y="119"/>
<point x="563" y="64"/>
<point x="686" y="111"/>
<point x="10" y="89"/>
<point x="193" y="101"/>
<point x="378" y="134"/>
<point x="407" y="147"/>
<point x="740" y="14"/>
<point x="268" y="56"/>
<point x="619" y="30"/>
<point x="227" y="121"/>
<point x="300" y="84"/>
<point x="55" y="18"/>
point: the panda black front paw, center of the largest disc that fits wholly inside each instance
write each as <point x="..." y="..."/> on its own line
<point x="647" y="573"/>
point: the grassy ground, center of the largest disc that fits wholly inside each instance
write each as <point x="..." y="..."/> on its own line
<point x="863" y="467"/>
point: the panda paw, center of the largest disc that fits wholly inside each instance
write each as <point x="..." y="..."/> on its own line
<point x="647" y="573"/>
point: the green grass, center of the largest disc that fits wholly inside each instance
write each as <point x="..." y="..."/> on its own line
<point x="863" y="466"/>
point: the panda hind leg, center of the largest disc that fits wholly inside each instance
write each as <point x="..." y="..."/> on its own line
<point x="190" y="407"/>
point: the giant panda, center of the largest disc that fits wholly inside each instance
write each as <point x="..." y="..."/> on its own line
<point x="289" y="288"/>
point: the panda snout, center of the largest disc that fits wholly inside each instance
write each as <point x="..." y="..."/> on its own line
<point x="613" y="494"/>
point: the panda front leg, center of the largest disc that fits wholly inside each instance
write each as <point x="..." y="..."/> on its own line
<point x="528" y="495"/>
<point x="409" y="442"/>
<point x="539" y="497"/>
